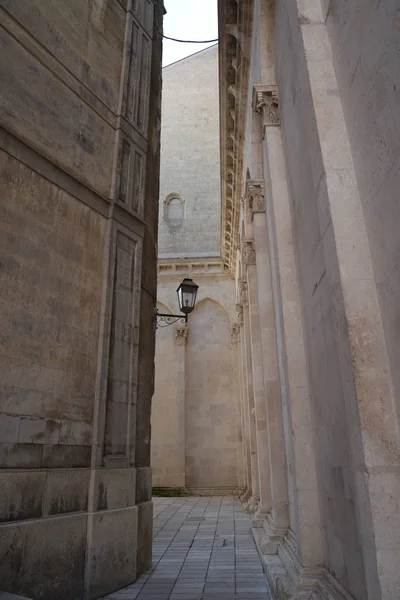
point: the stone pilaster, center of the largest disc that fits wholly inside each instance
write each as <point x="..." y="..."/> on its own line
<point x="253" y="499"/>
<point x="278" y="520"/>
<point x="245" y="406"/>
<point x="181" y="337"/>
<point x="300" y="551"/>
<point x="258" y="384"/>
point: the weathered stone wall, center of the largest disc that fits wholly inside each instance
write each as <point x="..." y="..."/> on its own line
<point x="196" y="426"/>
<point x="309" y="98"/>
<point x="336" y="235"/>
<point x="365" y="42"/>
<point x="79" y="167"/>
<point x="190" y="164"/>
<point x="196" y="431"/>
<point x="212" y="441"/>
<point x="167" y="435"/>
<point x="51" y="276"/>
<point x="319" y="275"/>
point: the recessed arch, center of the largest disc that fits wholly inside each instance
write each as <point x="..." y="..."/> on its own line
<point x="209" y="299"/>
<point x="174" y="210"/>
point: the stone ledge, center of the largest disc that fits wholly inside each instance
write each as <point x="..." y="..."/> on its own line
<point x="293" y="582"/>
<point x="8" y="596"/>
<point x="169" y="492"/>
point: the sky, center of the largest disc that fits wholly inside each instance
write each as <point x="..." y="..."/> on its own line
<point x="188" y="20"/>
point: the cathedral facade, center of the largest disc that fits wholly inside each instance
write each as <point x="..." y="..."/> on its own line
<point x="305" y="391"/>
<point x="310" y="162"/>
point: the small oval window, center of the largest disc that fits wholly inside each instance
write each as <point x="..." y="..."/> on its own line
<point x="174" y="211"/>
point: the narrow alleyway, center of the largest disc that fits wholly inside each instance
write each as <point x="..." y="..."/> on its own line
<point x="202" y="550"/>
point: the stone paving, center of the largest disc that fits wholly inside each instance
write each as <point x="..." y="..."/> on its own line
<point x="203" y="549"/>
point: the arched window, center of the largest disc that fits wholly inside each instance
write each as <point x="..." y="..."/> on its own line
<point x="174" y="210"/>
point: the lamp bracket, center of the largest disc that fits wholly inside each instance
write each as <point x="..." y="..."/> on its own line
<point x="164" y="319"/>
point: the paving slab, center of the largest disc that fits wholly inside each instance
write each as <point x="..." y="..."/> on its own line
<point x="203" y="549"/>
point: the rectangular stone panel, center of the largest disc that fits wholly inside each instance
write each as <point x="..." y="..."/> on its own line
<point x="58" y="558"/>
<point x="62" y="127"/>
<point x="145" y="534"/>
<point x="65" y="491"/>
<point x="124" y="172"/>
<point x="51" y="280"/>
<point x="133" y="71"/>
<point x="63" y="29"/>
<point x="114" y="488"/>
<point x="21" y="495"/>
<point x="137" y="188"/>
<point x="119" y="385"/>
<point x="113" y="551"/>
<point x="143" y="484"/>
<point x="142" y="105"/>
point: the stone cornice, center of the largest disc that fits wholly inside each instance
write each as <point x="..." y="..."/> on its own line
<point x="235" y="24"/>
<point x="173" y="269"/>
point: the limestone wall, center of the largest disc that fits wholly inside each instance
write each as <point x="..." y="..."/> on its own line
<point x="365" y="43"/>
<point x="190" y="164"/>
<point x="79" y="167"/>
<point x="201" y="449"/>
<point x="319" y="273"/>
<point x="334" y="255"/>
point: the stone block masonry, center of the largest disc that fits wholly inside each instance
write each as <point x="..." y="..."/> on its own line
<point x="79" y="176"/>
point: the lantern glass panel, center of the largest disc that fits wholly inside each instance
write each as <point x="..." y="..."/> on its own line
<point x="187" y="293"/>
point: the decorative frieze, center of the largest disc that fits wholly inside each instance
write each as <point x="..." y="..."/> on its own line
<point x="266" y="103"/>
<point x="181" y="334"/>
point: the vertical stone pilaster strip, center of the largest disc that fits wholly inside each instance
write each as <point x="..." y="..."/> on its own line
<point x="276" y="446"/>
<point x="240" y="454"/>
<point x="181" y="337"/>
<point x="258" y="383"/>
<point x="253" y="500"/>
<point x="365" y="371"/>
<point x="245" y="407"/>
<point x="276" y="226"/>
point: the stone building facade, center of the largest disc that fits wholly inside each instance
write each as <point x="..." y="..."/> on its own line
<point x="79" y="169"/>
<point x="310" y="151"/>
<point x="195" y="413"/>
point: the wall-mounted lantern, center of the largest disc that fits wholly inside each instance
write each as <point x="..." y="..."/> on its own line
<point x="187" y="293"/>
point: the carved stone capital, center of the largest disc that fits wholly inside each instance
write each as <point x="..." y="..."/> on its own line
<point x="255" y="196"/>
<point x="266" y="103"/>
<point x="235" y="333"/>
<point x="181" y="334"/>
<point x="249" y="253"/>
<point x="239" y="310"/>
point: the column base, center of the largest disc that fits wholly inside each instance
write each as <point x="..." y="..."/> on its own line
<point x="244" y="498"/>
<point x="251" y="505"/>
<point x="273" y="537"/>
<point x="260" y="516"/>
<point x="289" y="580"/>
